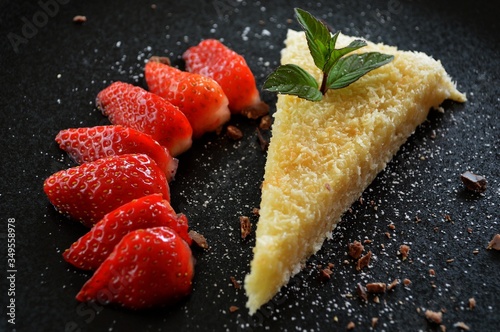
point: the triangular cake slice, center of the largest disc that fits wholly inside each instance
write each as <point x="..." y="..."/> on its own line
<point x="323" y="155"/>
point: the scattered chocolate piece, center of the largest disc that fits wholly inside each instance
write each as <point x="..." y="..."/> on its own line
<point x="462" y="325"/>
<point x="404" y="250"/>
<point x="376" y="287"/>
<point x="80" y="19"/>
<point x="433" y="134"/>
<point x="355" y="249"/>
<point x="198" y="239"/>
<point x="442" y="327"/>
<point x="235" y="282"/>
<point x="234" y="133"/>
<point x="432" y="272"/>
<point x="376" y="299"/>
<point x="265" y="122"/>
<point x="361" y="291"/>
<point x="469" y="230"/>
<point x="262" y="141"/>
<point x="161" y="59"/>
<point x="494" y="243"/>
<point x="474" y="182"/>
<point x="233" y="308"/>
<point x="392" y="226"/>
<point x="472" y="303"/>
<point x="325" y="274"/>
<point x="256" y="211"/>
<point x="367" y="241"/>
<point x="374" y="322"/>
<point x="351" y="326"/>
<point x="475" y="251"/>
<point x="451" y="260"/>
<point x="245" y="226"/>
<point x="406" y="281"/>
<point x="434" y="317"/>
<point x="447" y="217"/>
<point x="255" y="111"/>
<point x="393" y="284"/>
<point x="364" y="261"/>
<point x="388" y="235"/>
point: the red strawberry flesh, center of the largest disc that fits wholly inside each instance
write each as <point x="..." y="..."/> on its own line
<point x="147" y="268"/>
<point x="213" y="59"/>
<point x="200" y="98"/>
<point x="134" y="107"/>
<point x="92" y="143"/>
<point x="89" y="191"/>
<point x="150" y="211"/>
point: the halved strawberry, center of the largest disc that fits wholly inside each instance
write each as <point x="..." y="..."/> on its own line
<point x="213" y="59"/>
<point x="89" y="191"/>
<point x="93" y="248"/>
<point x="200" y="98"/>
<point x="134" y="107"/>
<point x="148" y="267"/>
<point x="92" y="143"/>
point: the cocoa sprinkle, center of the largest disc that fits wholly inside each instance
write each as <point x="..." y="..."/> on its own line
<point x="355" y="249"/>
<point x="404" y="250"/>
<point x="364" y="261"/>
<point x="234" y="133"/>
<point x="245" y="226"/>
<point x="198" y="239"/>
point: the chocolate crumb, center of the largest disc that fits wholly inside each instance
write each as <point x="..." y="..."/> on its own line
<point x="392" y="226"/>
<point x="442" y="328"/>
<point x="235" y="282"/>
<point x="233" y="308"/>
<point x="406" y="281"/>
<point x="355" y="249"/>
<point x="494" y="243"/>
<point x="245" y="226"/>
<point x="255" y="111"/>
<point x="265" y="122"/>
<point x="474" y="182"/>
<point x="367" y="241"/>
<point x="388" y="235"/>
<point x="364" y="261"/>
<point x="451" y="260"/>
<point x="462" y="325"/>
<point x="161" y="59"/>
<point x="472" y="303"/>
<point x="198" y="239"/>
<point x="475" y="251"/>
<point x="432" y="272"/>
<point x="234" y="133"/>
<point x="351" y="326"/>
<point x="325" y="274"/>
<point x="361" y="291"/>
<point x="374" y="322"/>
<point x="80" y="19"/>
<point x="469" y="230"/>
<point x="404" y="250"/>
<point x="434" y="317"/>
<point x="376" y="299"/>
<point x="263" y="143"/>
<point x="376" y="287"/>
<point x="393" y="284"/>
<point x="256" y="211"/>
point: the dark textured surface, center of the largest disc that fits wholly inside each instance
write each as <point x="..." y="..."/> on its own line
<point x="50" y="80"/>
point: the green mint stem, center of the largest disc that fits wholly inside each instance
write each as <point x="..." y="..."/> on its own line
<point x="324" y="87"/>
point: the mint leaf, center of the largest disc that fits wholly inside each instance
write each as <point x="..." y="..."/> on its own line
<point x="318" y="37"/>
<point x="349" y="69"/>
<point x="292" y="80"/>
<point x="336" y="54"/>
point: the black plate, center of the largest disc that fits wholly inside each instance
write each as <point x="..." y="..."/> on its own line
<point x="52" y="68"/>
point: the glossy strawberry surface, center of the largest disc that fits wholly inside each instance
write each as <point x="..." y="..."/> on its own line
<point x="200" y="98"/>
<point x="91" y="143"/>
<point x="93" y="248"/>
<point x="213" y="59"/>
<point x="148" y="267"/>
<point x="89" y="191"/>
<point x="132" y="106"/>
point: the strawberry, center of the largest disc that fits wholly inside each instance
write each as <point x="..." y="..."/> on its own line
<point x="92" y="143"/>
<point x="199" y="97"/>
<point x="134" y="107"/>
<point x="89" y="191"/>
<point x="213" y="59"/>
<point x="91" y="250"/>
<point x="148" y="267"/>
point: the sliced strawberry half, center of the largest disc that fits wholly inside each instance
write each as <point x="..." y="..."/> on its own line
<point x="89" y="191"/>
<point x="134" y="107"/>
<point x="93" y="248"/>
<point x="213" y="59"/>
<point x="148" y="267"/>
<point x="91" y="143"/>
<point x="200" y="98"/>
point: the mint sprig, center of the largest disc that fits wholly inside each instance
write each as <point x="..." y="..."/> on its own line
<point x="339" y="69"/>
